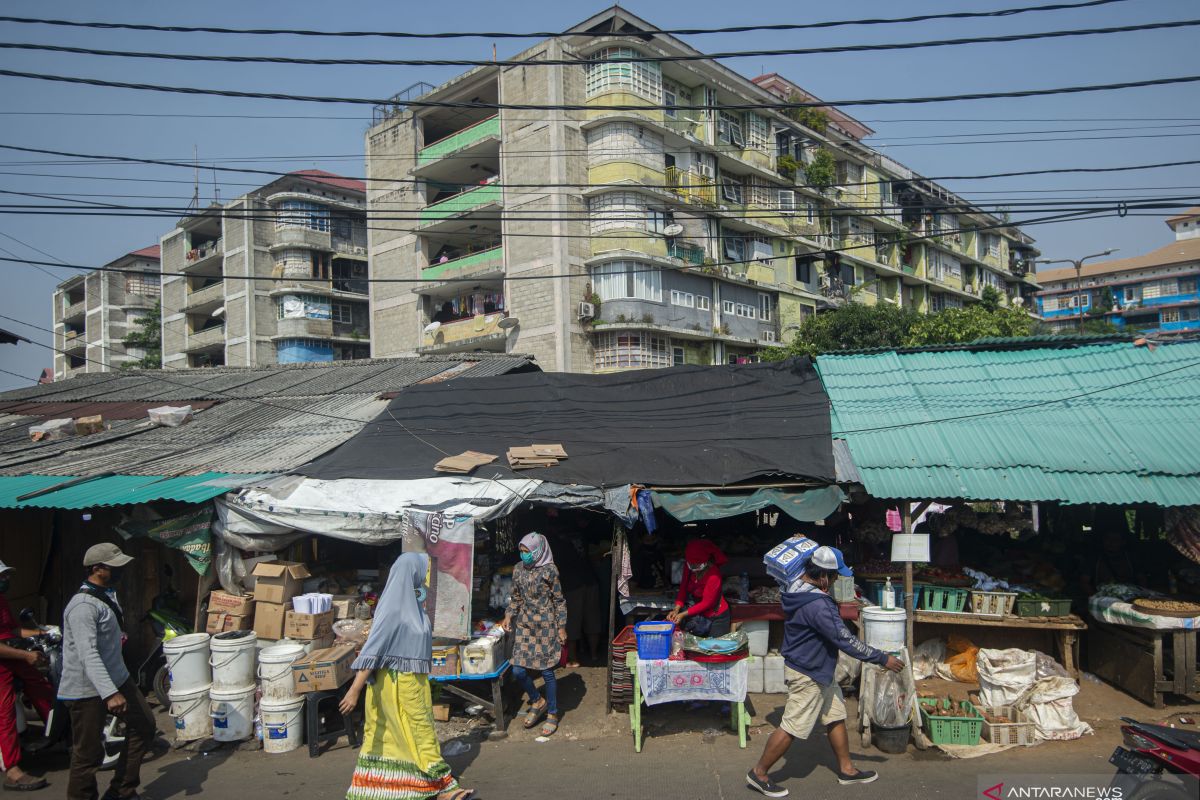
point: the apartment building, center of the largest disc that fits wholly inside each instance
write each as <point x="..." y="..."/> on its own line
<point x="95" y="311"/>
<point x="628" y="231"/>
<point x="303" y="240"/>
<point x="1152" y="293"/>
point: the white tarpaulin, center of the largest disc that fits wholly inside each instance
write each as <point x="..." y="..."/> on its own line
<point x="371" y="512"/>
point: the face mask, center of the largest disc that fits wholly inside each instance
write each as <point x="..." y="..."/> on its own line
<point x="114" y="576"/>
<point x="3" y="585"/>
<point x="421" y="594"/>
<point x="697" y="567"/>
<point x="528" y="558"/>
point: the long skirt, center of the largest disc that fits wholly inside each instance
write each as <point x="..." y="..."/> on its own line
<point x="400" y="757"/>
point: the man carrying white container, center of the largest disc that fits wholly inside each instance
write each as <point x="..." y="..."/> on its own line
<point x="813" y="634"/>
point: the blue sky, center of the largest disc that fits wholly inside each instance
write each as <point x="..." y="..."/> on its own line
<point x="335" y="141"/>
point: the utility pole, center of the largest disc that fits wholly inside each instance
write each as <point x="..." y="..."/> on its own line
<point x="1078" y="264"/>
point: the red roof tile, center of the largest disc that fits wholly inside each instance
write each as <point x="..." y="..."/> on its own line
<point x="147" y="252"/>
<point x="321" y="176"/>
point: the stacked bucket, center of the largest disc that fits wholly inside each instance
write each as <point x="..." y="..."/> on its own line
<point x="191" y="678"/>
<point x="212" y="685"/>
<point x="281" y="709"/>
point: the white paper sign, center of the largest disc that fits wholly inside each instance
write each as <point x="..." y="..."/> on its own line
<point x="910" y="547"/>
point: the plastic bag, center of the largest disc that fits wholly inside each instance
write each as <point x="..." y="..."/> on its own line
<point x="960" y="661"/>
<point x="1005" y="675"/>
<point x="927" y="656"/>
<point x="892" y="705"/>
<point x="696" y="644"/>
<point x="847" y="670"/>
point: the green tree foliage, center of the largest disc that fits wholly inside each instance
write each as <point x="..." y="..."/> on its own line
<point x="990" y="298"/>
<point x="815" y="119"/>
<point x="1107" y="301"/>
<point x="147" y="336"/>
<point x="955" y="325"/>
<point x="821" y="172"/>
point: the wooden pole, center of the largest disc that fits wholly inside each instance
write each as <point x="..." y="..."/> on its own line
<point x="618" y="549"/>
<point x="909" y="609"/>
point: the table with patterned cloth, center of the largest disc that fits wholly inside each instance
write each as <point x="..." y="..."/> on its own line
<point x="665" y="681"/>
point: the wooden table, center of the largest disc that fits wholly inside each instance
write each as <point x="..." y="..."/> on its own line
<point x="1133" y="658"/>
<point x="739" y="720"/>
<point x="495" y="707"/>
<point x="1064" y="629"/>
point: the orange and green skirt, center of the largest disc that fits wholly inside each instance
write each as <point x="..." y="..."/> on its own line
<point x="400" y="757"/>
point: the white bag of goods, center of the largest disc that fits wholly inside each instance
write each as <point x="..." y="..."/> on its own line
<point x="847" y="670"/>
<point x="1051" y="709"/>
<point x="1005" y="675"/>
<point x="170" y="416"/>
<point x="52" y="429"/>
<point x="926" y="657"/>
<point x="785" y="561"/>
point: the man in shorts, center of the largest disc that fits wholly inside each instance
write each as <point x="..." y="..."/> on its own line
<point x="813" y="634"/>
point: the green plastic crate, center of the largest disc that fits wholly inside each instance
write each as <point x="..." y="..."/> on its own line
<point x="1035" y="607"/>
<point x="951" y="730"/>
<point x="943" y="598"/>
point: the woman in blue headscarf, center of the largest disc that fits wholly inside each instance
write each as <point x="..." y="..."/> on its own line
<point x="400" y="756"/>
<point x="537" y="616"/>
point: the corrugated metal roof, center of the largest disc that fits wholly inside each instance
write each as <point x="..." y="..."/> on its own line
<point x="1106" y="423"/>
<point x="74" y="410"/>
<point x="119" y="490"/>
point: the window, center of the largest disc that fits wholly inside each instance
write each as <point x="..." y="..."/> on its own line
<point x="685" y="299"/>
<point x="846" y="274"/>
<point x="761" y="247"/>
<point x="298" y="214"/>
<point x="624" y="141"/>
<point x="868" y="279"/>
<point x="803" y="270"/>
<point x="1190" y="314"/>
<point x="734" y="247"/>
<point x="703" y="303"/>
<point x="810" y="212"/>
<point x="744" y="310"/>
<point x="643" y="78"/>
<point x="993" y="246"/>
<point x="759" y="192"/>
<point x="670" y="98"/>
<point x="728" y="307"/>
<point x="787" y="201"/>
<point x="677" y="357"/>
<point x="758" y="132"/>
<point x="731" y="190"/>
<point x="622" y="280"/>
<point x="768" y="336"/>
<point x="1187" y="285"/>
<point x="945" y="223"/>
<point x="618" y="211"/>
<point x="343" y="312"/>
<point x="729" y="129"/>
<point x="937" y="301"/>
<point x="1170" y="315"/>
<point x="302" y="306"/>
<point x="340" y="227"/>
<point x="942" y="265"/>
<point x="764" y="307"/>
<point x="618" y="350"/>
<point x="656" y="220"/>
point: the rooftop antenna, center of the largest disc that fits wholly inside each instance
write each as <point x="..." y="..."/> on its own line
<point x="195" y="179"/>
<point x="216" y="188"/>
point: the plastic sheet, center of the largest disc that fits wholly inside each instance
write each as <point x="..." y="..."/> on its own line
<point x="960" y="661"/>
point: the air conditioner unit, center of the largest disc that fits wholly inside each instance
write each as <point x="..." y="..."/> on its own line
<point x="587" y="311"/>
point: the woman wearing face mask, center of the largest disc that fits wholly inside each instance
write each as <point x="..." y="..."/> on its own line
<point x="708" y="614"/>
<point x="537" y="616"/>
<point x="400" y="756"/>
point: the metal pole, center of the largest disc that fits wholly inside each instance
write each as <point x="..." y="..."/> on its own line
<point x="909" y="606"/>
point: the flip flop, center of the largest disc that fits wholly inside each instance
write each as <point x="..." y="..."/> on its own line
<point x="456" y="794"/>
<point x="551" y="726"/>
<point x="533" y="716"/>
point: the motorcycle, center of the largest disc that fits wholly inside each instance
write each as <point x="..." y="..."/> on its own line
<point x="1156" y="762"/>
<point x="167" y="621"/>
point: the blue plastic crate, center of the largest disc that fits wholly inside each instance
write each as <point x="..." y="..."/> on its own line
<point x="873" y="593"/>
<point x="654" y="639"/>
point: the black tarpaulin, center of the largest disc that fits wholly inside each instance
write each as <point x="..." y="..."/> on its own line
<point x="683" y="426"/>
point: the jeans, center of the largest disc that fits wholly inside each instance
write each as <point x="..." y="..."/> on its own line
<point x="551" y="688"/>
<point x="87" y="752"/>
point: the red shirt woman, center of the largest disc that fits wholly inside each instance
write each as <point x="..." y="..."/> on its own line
<point x="708" y="614"/>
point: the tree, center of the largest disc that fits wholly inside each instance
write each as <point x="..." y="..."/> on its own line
<point x="990" y="298"/>
<point x="853" y="326"/>
<point x="147" y="337"/>
<point x="821" y="172"/>
<point x="955" y="325"/>
<point x="815" y="119"/>
<point x="1107" y="301"/>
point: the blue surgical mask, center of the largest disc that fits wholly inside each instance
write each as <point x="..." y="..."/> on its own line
<point x="421" y="593"/>
<point x="527" y="558"/>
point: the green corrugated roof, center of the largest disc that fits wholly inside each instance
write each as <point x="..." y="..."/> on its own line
<point x="118" y="490"/>
<point x="1101" y="423"/>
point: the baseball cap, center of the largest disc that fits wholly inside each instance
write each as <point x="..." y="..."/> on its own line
<point x="827" y="557"/>
<point x="107" y="554"/>
<point x="5" y="568"/>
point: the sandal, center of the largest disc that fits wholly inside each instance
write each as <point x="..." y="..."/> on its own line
<point x="551" y="725"/>
<point x="456" y="794"/>
<point x="534" y="715"/>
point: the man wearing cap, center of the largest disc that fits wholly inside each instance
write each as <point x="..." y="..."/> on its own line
<point x="17" y="664"/>
<point x="813" y="634"/>
<point x="95" y="681"/>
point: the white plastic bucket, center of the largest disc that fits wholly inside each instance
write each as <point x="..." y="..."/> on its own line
<point x="282" y="724"/>
<point x="233" y="657"/>
<point x="232" y="714"/>
<point x="758" y="634"/>
<point x="187" y="662"/>
<point x="275" y="671"/>
<point x="191" y="711"/>
<point x="882" y="629"/>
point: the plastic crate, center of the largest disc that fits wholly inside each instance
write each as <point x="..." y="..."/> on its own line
<point x="873" y="593"/>
<point x="950" y="730"/>
<point x="1036" y="607"/>
<point x="1020" y="732"/>
<point x="992" y="604"/>
<point x="943" y="598"/>
<point x="654" y="639"/>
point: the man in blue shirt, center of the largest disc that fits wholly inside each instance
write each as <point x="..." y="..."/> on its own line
<point x="813" y="634"/>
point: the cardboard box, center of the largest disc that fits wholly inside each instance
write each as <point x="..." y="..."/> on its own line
<point x="307" y="626"/>
<point x="220" y="622"/>
<point x="268" y="620"/>
<point x="441" y="712"/>
<point x="323" y="670"/>
<point x="278" y="581"/>
<point x="86" y="425"/>
<point x="344" y="606"/>
<point x="226" y="603"/>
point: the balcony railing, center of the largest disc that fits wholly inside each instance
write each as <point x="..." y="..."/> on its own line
<point x="463" y="266"/>
<point x="691" y="186"/>
<point x="75" y="310"/>
<point x="465" y="331"/>
<point x="457" y="141"/>
<point x="209" y="337"/>
<point x="461" y="203"/>
<point x="207" y="251"/>
<point x="209" y="294"/>
<point x="687" y="253"/>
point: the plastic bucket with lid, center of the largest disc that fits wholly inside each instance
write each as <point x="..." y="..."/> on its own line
<point x="275" y="670"/>
<point x="233" y="657"/>
<point x="884" y="629"/>
<point x="191" y="711"/>
<point x="232" y="713"/>
<point x="187" y="662"/>
<point x="282" y="724"/>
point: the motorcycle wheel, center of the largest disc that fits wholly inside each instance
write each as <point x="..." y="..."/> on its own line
<point x="162" y="687"/>
<point x="1161" y="790"/>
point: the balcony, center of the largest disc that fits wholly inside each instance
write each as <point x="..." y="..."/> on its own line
<point x="74" y="342"/>
<point x="460" y="205"/>
<point x="684" y="125"/>
<point x="207" y="339"/>
<point x="205" y="299"/>
<point x="297" y="236"/>
<point x="303" y="328"/>
<point x="691" y="187"/>
<point x="479" y="333"/>
<point x="686" y="252"/>
<point x="345" y="248"/>
<point x="484" y="262"/>
<point x="468" y="138"/>
<point x="199" y="256"/>
<point x="75" y="311"/>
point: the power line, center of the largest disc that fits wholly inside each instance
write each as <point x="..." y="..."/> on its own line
<point x="779" y="106"/>
<point x="1006" y="12"/>
<point x="559" y="62"/>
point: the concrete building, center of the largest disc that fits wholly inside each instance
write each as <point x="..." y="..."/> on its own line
<point x="94" y="312"/>
<point x="303" y="237"/>
<point x="1152" y="293"/>
<point x="635" y="232"/>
